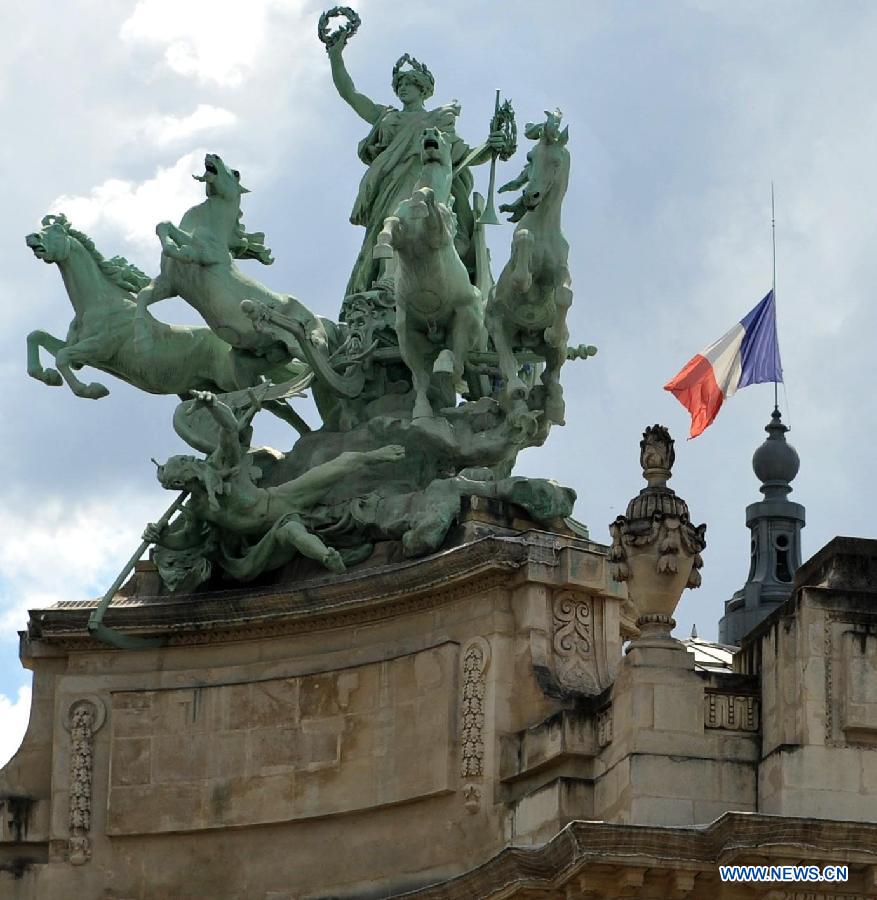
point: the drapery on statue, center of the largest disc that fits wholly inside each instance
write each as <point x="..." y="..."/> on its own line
<point x="391" y="150"/>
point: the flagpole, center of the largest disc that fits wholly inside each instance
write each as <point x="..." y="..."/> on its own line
<point x="773" y="235"/>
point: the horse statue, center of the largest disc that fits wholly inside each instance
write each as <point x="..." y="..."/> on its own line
<point x="178" y="359"/>
<point x="197" y="265"/>
<point x="532" y="296"/>
<point x="436" y="304"/>
<point x="101" y="334"/>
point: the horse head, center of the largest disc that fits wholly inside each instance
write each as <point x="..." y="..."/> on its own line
<point x="547" y="169"/>
<point x="548" y="161"/>
<point x="219" y="180"/>
<point x="437" y="171"/>
<point x="51" y="243"/>
<point x="55" y="243"/>
<point x="435" y="148"/>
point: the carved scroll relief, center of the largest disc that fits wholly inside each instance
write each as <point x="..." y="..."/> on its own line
<point x="476" y="658"/>
<point x="84" y="717"/>
<point x="575" y="660"/>
<point x="585" y="641"/>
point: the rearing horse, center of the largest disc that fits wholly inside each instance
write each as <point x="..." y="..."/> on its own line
<point x="197" y="265"/>
<point x="179" y="358"/>
<point x="432" y="289"/>
<point x="533" y="295"/>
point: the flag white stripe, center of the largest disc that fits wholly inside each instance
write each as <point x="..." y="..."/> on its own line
<point x="724" y="356"/>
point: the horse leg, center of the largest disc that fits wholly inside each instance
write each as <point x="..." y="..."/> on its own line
<point x="51" y="344"/>
<point x="180" y="245"/>
<point x="159" y="288"/>
<point x="465" y="333"/>
<point x="81" y="354"/>
<point x="555" y="408"/>
<point x="522" y="251"/>
<point x="556" y="337"/>
<point x="557" y="333"/>
<point x="415" y="350"/>
<point x="508" y="363"/>
<point x="167" y="231"/>
<point x="384" y="245"/>
<point x="421" y="202"/>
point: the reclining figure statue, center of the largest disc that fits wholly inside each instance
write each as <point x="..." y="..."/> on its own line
<point x="254" y="528"/>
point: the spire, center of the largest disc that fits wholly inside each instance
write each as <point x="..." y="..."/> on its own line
<point x="775" y="525"/>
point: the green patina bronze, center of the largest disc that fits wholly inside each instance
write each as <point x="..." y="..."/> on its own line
<point x="197" y="264"/>
<point x="392" y="151"/>
<point x="428" y="387"/>
<point x="173" y="359"/>
<point x="432" y="289"/>
<point x="533" y="294"/>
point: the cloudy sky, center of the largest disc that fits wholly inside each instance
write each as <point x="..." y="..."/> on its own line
<point x="680" y="115"/>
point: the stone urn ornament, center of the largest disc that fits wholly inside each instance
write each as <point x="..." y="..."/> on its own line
<point x="655" y="548"/>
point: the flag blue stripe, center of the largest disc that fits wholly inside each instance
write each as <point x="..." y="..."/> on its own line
<point x="760" y="351"/>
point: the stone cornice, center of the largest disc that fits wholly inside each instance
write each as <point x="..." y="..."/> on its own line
<point x="362" y="596"/>
<point x="731" y="838"/>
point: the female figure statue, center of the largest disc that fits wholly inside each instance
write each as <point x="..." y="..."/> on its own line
<point x="391" y="150"/>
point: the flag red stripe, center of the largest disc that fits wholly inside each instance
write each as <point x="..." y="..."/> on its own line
<point x="696" y="389"/>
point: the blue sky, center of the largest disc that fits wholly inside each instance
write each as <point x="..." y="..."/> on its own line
<point x="680" y="115"/>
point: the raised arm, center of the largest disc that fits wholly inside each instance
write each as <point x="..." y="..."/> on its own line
<point x="230" y="451"/>
<point x="362" y="106"/>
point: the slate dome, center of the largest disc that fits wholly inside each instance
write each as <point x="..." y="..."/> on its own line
<point x="776" y="460"/>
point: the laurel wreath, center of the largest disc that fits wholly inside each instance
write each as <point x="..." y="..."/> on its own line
<point x="504" y="121"/>
<point x="350" y="29"/>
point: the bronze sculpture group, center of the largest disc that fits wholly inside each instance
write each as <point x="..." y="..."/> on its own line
<point x="429" y="385"/>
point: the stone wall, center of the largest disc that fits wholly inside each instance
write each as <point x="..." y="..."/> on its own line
<point x="817" y="656"/>
<point x="325" y="739"/>
<point x="420" y="724"/>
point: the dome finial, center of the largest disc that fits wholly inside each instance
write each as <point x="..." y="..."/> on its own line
<point x="775" y="462"/>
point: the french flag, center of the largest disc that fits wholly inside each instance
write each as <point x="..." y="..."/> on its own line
<point x="748" y="354"/>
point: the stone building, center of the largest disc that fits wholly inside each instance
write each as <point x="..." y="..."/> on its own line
<point x="501" y="719"/>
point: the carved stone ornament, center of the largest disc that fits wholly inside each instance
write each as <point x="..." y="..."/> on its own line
<point x="583" y="650"/>
<point x="655" y="548"/>
<point x="471" y="798"/>
<point x="604" y="727"/>
<point x="476" y="658"/>
<point x="573" y="643"/>
<point x="84" y="717"/>
<point x="730" y="712"/>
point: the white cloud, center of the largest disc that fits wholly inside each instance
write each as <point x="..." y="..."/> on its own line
<point x="14" y="715"/>
<point x="58" y="553"/>
<point x="134" y="209"/>
<point x="164" y="130"/>
<point x="211" y="40"/>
